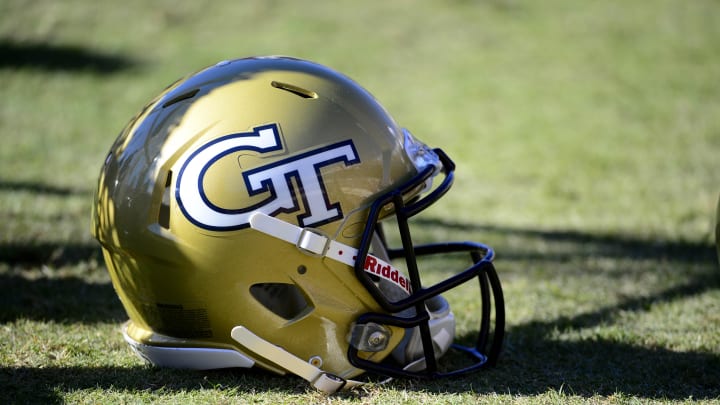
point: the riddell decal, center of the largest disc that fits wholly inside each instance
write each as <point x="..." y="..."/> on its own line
<point x="375" y="266"/>
<point x="275" y="182"/>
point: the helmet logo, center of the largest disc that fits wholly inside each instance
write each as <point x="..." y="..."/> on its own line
<point x="273" y="180"/>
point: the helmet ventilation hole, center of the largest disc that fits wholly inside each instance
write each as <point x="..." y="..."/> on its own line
<point x="298" y="91"/>
<point x="181" y="97"/>
<point x="164" y="212"/>
<point x="284" y="300"/>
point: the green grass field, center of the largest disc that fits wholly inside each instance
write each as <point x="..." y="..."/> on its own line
<point x="586" y="136"/>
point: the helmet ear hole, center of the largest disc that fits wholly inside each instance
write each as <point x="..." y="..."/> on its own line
<point x="284" y="300"/>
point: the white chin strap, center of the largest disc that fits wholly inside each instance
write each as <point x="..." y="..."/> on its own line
<point x="315" y="243"/>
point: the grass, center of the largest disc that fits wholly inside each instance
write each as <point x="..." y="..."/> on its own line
<point x="586" y="136"/>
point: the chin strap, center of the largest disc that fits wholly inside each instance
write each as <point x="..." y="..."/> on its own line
<point x="314" y="243"/>
<point x="325" y="382"/>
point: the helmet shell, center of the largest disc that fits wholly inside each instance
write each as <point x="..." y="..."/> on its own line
<point x="186" y="280"/>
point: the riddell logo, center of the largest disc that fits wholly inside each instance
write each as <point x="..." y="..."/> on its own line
<point x="375" y="266"/>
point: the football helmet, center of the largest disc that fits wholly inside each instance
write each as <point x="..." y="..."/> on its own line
<point x="241" y="217"/>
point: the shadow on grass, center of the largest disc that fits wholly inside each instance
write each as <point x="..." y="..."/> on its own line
<point x="40" y="188"/>
<point x="54" y="57"/>
<point x="532" y="363"/>
<point x="48" y="254"/>
<point x="584" y="244"/>
<point x="66" y="299"/>
<point x="34" y="290"/>
<point x="46" y="385"/>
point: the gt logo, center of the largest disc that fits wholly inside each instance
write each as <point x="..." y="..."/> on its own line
<point x="272" y="180"/>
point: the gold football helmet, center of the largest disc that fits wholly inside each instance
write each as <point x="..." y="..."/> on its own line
<point x="240" y="219"/>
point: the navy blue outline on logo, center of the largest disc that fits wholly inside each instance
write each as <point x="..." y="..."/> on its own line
<point x="267" y="186"/>
<point x="256" y="133"/>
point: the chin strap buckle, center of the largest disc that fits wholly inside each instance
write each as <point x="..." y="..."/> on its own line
<point x="329" y="383"/>
<point x="313" y="242"/>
